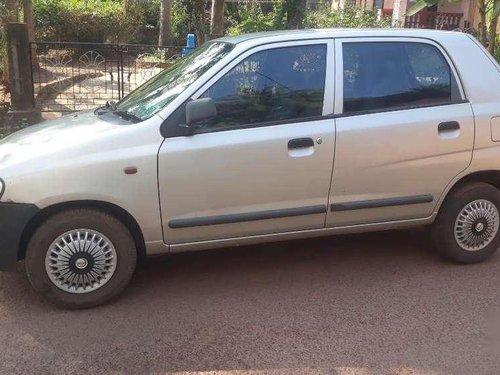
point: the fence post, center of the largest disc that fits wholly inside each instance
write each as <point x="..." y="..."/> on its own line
<point x="22" y="98"/>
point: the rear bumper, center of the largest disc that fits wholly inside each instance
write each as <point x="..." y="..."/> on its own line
<point x="13" y="220"/>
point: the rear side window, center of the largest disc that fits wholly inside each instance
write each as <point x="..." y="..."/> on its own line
<point x="396" y="75"/>
<point x="274" y="85"/>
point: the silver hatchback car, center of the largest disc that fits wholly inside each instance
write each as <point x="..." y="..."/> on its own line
<point x="261" y="137"/>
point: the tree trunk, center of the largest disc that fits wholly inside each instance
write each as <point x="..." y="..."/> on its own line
<point x="483" y="29"/>
<point x="217" y="18"/>
<point x="28" y="18"/>
<point x="199" y="20"/>
<point x="493" y="35"/>
<point x="295" y="11"/>
<point x="165" y="22"/>
<point x="12" y="16"/>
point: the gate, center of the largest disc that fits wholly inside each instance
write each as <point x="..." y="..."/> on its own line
<point x="70" y="76"/>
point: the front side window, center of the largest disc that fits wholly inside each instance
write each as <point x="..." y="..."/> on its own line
<point x="279" y="84"/>
<point x="395" y="75"/>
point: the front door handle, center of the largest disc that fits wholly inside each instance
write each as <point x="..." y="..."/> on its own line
<point x="300" y="143"/>
<point x="448" y="126"/>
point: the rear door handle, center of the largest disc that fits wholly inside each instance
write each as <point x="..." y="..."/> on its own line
<point x="300" y="143"/>
<point x="448" y="126"/>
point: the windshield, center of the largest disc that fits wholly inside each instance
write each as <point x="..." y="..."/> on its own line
<point x="156" y="93"/>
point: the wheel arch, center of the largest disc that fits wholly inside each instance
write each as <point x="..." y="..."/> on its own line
<point x="491" y="177"/>
<point x="116" y="211"/>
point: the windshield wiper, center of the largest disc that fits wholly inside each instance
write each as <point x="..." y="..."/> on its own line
<point x="111" y="105"/>
<point x="127" y="116"/>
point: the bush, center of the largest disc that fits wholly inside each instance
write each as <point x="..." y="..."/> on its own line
<point x="253" y="18"/>
<point x="98" y="21"/>
<point x="349" y="17"/>
<point x="180" y="24"/>
<point x="87" y="21"/>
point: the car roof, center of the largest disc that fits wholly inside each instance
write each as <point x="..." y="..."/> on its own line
<point x="284" y="35"/>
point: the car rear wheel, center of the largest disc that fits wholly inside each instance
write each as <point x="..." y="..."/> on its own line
<point x="80" y="258"/>
<point x="467" y="227"/>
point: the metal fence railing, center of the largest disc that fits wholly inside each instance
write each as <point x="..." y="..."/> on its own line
<point x="434" y="20"/>
<point x="71" y="76"/>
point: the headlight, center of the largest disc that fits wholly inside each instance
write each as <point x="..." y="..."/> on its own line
<point x="2" y="188"/>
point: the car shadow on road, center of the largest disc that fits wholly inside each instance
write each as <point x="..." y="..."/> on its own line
<point x="288" y="258"/>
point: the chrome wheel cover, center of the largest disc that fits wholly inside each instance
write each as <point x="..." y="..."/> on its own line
<point x="476" y="225"/>
<point x="81" y="261"/>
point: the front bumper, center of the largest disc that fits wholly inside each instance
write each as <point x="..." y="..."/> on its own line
<point x="13" y="220"/>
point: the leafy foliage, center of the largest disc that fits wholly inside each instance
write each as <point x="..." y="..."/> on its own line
<point x="349" y="17"/>
<point x="3" y="16"/>
<point x="125" y="21"/>
<point x="253" y="17"/>
<point x="421" y="5"/>
<point x="88" y="21"/>
<point x="180" y="25"/>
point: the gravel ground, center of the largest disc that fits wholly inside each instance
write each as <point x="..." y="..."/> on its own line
<point x="353" y="305"/>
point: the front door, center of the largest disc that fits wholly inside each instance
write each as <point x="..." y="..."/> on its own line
<point x="263" y="164"/>
<point x="404" y="130"/>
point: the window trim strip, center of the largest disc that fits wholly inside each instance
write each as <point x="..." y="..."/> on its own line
<point x="246" y="216"/>
<point x="265" y="124"/>
<point x="376" y="111"/>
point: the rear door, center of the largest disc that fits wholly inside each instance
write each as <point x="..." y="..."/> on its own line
<point x="404" y="129"/>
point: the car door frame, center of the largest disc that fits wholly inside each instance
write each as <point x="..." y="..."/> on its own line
<point x="355" y="207"/>
<point x="326" y="113"/>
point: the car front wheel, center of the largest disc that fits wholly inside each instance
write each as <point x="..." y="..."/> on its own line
<point x="80" y="258"/>
<point x="467" y="227"/>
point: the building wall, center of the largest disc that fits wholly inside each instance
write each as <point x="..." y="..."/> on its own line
<point x="466" y="7"/>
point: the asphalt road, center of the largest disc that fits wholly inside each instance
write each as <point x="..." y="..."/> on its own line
<point x="355" y="305"/>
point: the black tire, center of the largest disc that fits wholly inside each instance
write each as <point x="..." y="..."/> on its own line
<point x="60" y="223"/>
<point x="443" y="229"/>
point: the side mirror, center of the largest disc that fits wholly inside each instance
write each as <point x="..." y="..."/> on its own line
<point x="200" y="109"/>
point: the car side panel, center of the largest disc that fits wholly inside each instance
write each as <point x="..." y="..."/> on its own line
<point x="394" y="158"/>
